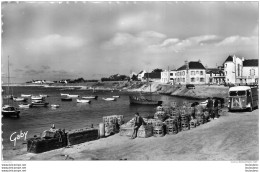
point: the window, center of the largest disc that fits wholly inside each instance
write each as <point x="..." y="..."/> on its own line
<point x="237" y="93"/>
<point x="192" y="79"/>
<point x="252" y="72"/>
<point x="171" y="78"/>
<point x="183" y="79"/>
<point x="201" y="72"/>
<point x="201" y="79"/>
<point x="197" y="72"/>
<point x="183" y="73"/>
<point x="171" y="74"/>
<point x="192" y="73"/>
<point x="198" y="78"/>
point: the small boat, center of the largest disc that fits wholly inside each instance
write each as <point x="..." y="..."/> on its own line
<point x="10" y="111"/>
<point x="90" y="97"/>
<point x="26" y="95"/>
<point x="36" y="101"/>
<point x="37" y="98"/>
<point x="20" y="99"/>
<point x="109" y="99"/>
<point x="73" y="96"/>
<point x="55" y="106"/>
<point x="66" y="99"/>
<point x="62" y="94"/>
<point x="116" y="96"/>
<point x="143" y="101"/>
<point x="40" y="104"/>
<point x="44" y="95"/>
<point x="83" y="101"/>
<point x="25" y="105"/>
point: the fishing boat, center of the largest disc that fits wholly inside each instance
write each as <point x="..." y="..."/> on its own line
<point x="26" y="95"/>
<point x="25" y="105"/>
<point x="37" y="98"/>
<point x="116" y="96"/>
<point x="90" y="97"/>
<point x="66" y="98"/>
<point x="44" y="95"/>
<point x="63" y="94"/>
<point x="140" y="100"/>
<point x="19" y="99"/>
<point x="73" y="96"/>
<point x="40" y="104"/>
<point x="10" y="111"/>
<point x="109" y="99"/>
<point x="55" y="106"/>
<point x="83" y="101"/>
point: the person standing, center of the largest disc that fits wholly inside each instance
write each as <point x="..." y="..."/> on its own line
<point x="138" y="122"/>
<point x="210" y="107"/>
<point x="216" y="108"/>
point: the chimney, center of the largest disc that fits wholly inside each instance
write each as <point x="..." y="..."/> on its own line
<point x="243" y="59"/>
<point x="187" y="64"/>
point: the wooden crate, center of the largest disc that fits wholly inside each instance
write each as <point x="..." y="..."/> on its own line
<point x="145" y="131"/>
<point x="78" y="136"/>
<point x="126" y="131"/>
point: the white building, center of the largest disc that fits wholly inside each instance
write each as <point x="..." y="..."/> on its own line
<point x="233" y="69"/>
<point x="215" y="76"/>
<point x="249" y="72"/>
<point x="141" y="75"/>
<point x="192" y="72"/>
<point x="165" y="76"/>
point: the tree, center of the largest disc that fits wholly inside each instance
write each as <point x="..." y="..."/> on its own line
<point x="157" y="70"/>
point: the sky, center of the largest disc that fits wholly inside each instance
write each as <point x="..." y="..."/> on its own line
<point x="55" y="41"/>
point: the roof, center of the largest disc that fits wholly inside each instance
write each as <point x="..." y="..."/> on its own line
<point x="229" y="59"/>
<point x="214" y="70"/>
<point x="239" y="88"/>
<point x="250" y="62"/>
<point x="192" y="65"/>
<point x="153" y="75"/>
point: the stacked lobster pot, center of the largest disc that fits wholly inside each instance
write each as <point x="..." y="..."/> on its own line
<point x="82" y="135"/>
<point x="127" y="129"/>
<point x="199" y="115"/>
<point x="185" y="120"/>
<point x="193" y="122"/>
<point x="161" y="115"/>
<point x="171" y="125"/>
<point x="145" y="131"/>
<point x="158" y="129"/>
<point x="111" y="124"/>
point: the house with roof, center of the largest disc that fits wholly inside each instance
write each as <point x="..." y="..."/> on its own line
<point x="215" y="76"/>
<point x="141" y="75"/>
<point x="240" y="70"/>
<point x="192" y="72"/>
<point x="153" y="76"/>
<point x="249" y="72"/>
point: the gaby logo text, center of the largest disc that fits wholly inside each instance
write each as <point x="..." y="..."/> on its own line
<point x="17" y="136"/>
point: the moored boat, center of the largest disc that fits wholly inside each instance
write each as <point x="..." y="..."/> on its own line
<point x="143" y="101"/>
<point x="73" y="96"/>
<point x="25" y="105"/>
<point x="37" y="98"/>
<point x="63" y="94"/>
<point x="116" y="96"/>
<point x="90" y="97"/>
<point x="20" y="99"/>
<point x="26" y="95"/>
<point x="83" y="101"/>
<point x="109" y="99"/>
<point x="40" y="104"/>
<point x="44" y="95"/>
<point x="66" y="99"/>
<point x="10" y="111"/>
<point x="55" y="106"/>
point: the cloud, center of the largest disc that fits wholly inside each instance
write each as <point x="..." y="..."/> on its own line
<point x="53" y="42"/>
<point x="232" y="40"/>
<point x="33" y="72"/>
<point x="45" y="67"/>
<point x="18" y="70"/>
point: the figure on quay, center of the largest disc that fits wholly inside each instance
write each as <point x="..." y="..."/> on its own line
<point x="138" y="122"/>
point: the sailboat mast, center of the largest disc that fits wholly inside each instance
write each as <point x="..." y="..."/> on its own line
<point x="8" y="77"/>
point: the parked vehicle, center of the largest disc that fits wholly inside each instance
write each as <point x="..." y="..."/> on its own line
<point x="243" y="97"/>
<point x="190" y="86"/>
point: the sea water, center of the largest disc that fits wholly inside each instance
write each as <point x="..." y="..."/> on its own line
<point x="70" y="114"/>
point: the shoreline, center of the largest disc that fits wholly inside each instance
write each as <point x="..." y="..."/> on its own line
<point x="212" y="141"/>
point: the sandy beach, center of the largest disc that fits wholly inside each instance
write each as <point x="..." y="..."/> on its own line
<point x="234" y="136"/>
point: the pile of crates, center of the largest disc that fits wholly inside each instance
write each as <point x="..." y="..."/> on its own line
<point x="171" y="126"/>
<point x="112" y="124"/>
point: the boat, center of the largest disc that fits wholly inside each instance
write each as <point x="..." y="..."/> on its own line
<point x="73" y="96"/>
<point x="19" y="99"/>
<point x="140" y="100"/>
<point x="109" y="99"/>
<point x="40" y="104"/>
<point x="66" y="99"/>
<point x="10" y="111"/>
<point x="37" y="98"/>
<point x="55" y="106"/>
<point x="83" y="101"/>
<point x="62" y="94"/>
<point x="90" y="97"/>
<point x="26" y="95"/>
<point x="25" y="105"/>
<point x="44" y="95"/>
<point x="116" y="96"/>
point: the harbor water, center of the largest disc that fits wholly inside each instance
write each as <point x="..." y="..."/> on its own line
<point x="70" y="114"/>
